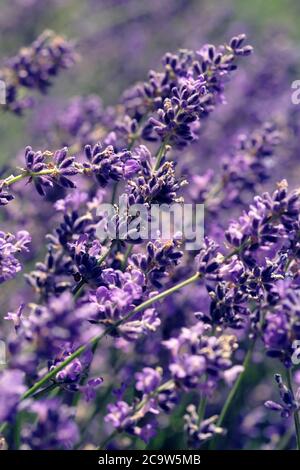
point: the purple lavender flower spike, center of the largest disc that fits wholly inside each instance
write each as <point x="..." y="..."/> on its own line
<point x="12" y="388"/>
<point x="288" y="403"/>
<point x="200" y="433"/>
<point x="55" y="427"/>
<point x="9" y="246"/>
<point x="148" y="379"/>
<point x="34" y="67"/>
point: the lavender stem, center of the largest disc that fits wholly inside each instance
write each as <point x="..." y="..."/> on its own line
<point x="296" y="413"/>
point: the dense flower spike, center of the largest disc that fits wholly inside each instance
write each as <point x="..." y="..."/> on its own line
<point x="117" y="296"/>
<point x="54" y="427"/>
<point x="199" y="360"/>
<point x="148" y="379"/>
<point x="54" y="330"/>
<point x="281" y="327"/>
<point x="271" y="218"/>
<point x="156" y="398"/>
<point x="242" y="173"/>
<point x="5" y="197"/>
<point x="58" y="167"/>
<point x="34" y="67"/>
<point x="105" y="164"/>
<point x="161" y="257"/>
<point x="289" y="404"/>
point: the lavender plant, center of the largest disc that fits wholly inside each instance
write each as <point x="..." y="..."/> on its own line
<point x="33" y="68"/>
<point x="115" y="337"/>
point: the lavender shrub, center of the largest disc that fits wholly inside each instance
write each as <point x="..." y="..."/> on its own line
<point x="115" y="338"/>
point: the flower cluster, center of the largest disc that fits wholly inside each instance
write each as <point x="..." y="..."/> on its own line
<point x="201" y="361"/>
<point x="281" y="327"/>
<point x="186" y="91"/>
<point x="161" y="256"/>
<point x="271" y="219"/>
<point x="242" y="172"/>
<point x="54" y="426"/>
<point x="156" y="398"/>
<point x="12" y="388"/>
<point x="34" y="68"/>
<point x="117" y="296"/>
<point x="10" y="245"/>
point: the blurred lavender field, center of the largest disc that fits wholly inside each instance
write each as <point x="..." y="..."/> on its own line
<point x="215" y="126"/>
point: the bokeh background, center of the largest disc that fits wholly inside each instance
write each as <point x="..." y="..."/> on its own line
<point x="119" y="41"/>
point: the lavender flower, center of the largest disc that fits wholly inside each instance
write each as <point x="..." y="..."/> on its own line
<point x="106" y="164"/>
<point x="9" y="246"/>
<point x="243" y="171"/>
<point x="52" y="328"/>
<point x="34" y="67"/>
<point x="117" y="296"/>
<point x="148" y="380"/>
<point x="160" y="187"/>
<point x="271" y="218"/>
<point x="54" y="428"/>
<point x="86" y="258"/>
<point x="155" y="399"/>
<point x="288" y="404"/>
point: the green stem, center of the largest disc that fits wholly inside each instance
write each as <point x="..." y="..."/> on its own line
<point x="159" y="155"/>
<point x="31" y="391"/>
<point x="78" y="288"/>
<point x="94" y="341"/>
<point x="284" y="441"/>
<point x="15" y="179"/>
<point x="296" y="413"/>
<point x="114" y="192"/>
<point x="45" y="390"/>
<point x="232" y="395"/>
<point x="233" y="392"/>
<point x="17" y="431"/>
<point x="126" y="256"/>
<point x="26" y="174"/>
<point x="2" y="428"/>
<point x="201" y="409"/>
<point x="106" y="441"/>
